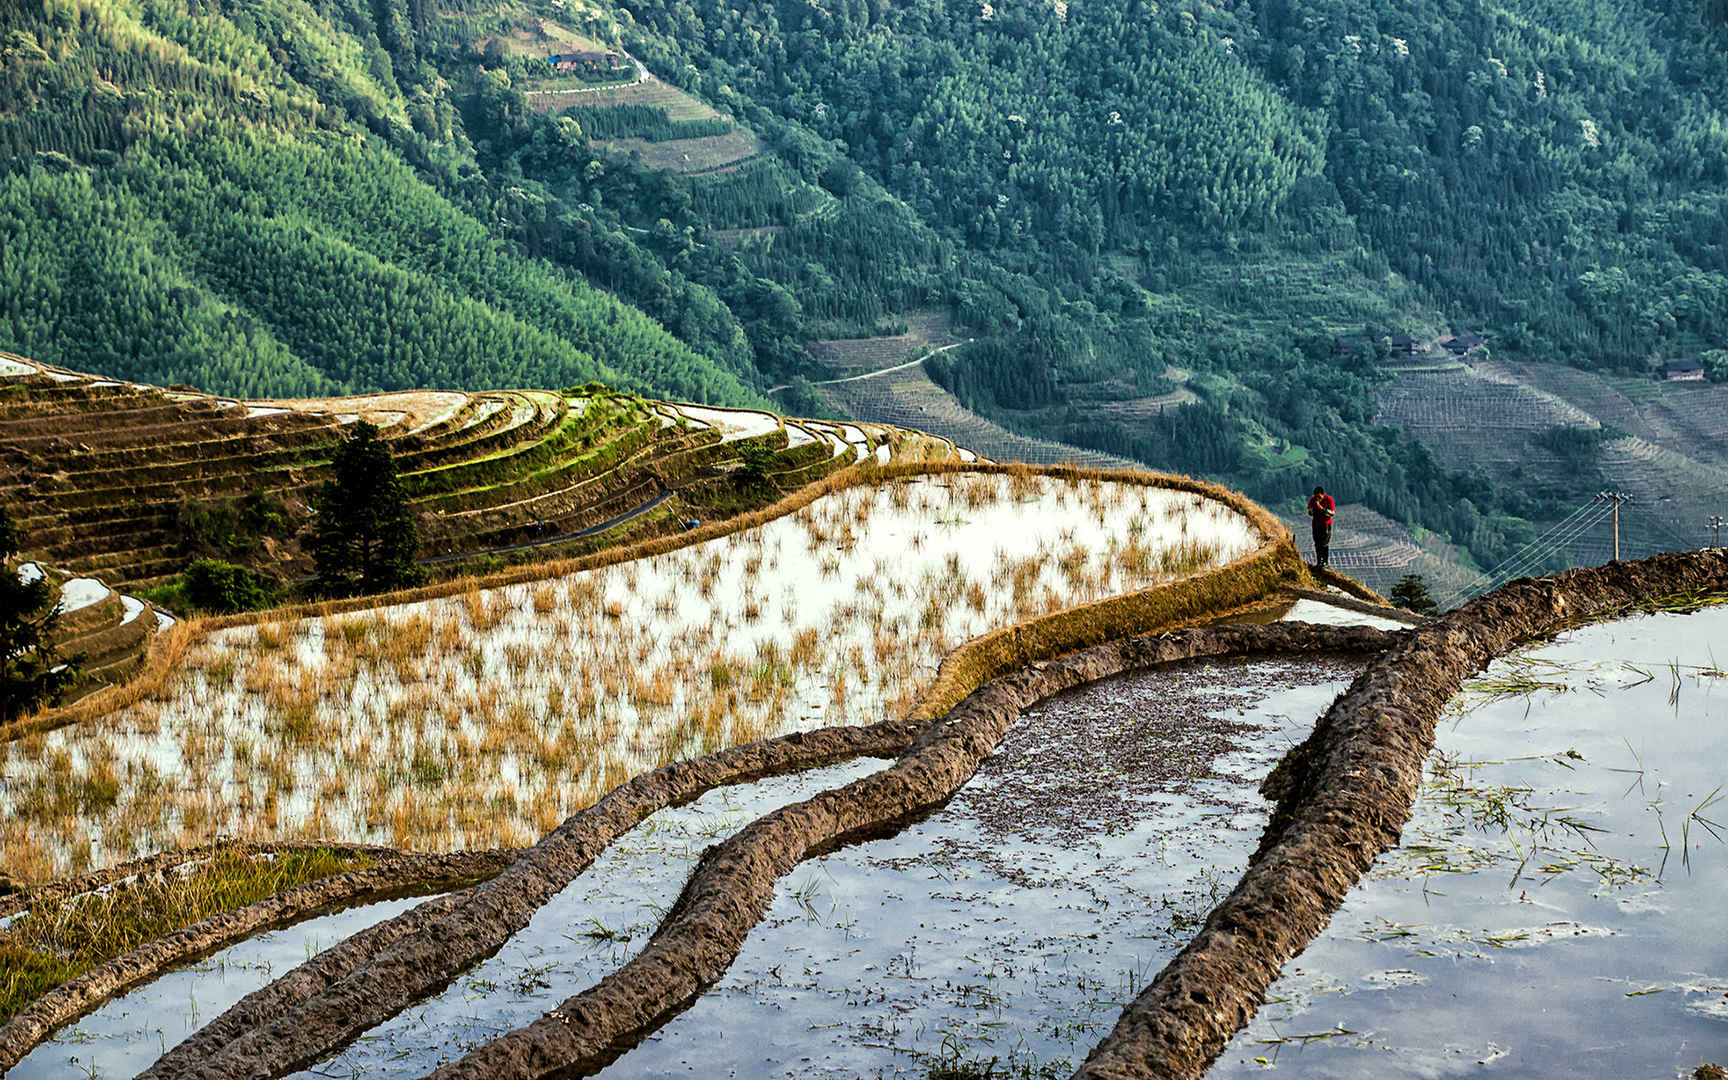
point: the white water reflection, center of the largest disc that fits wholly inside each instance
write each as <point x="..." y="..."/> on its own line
<point x="1556" y="907"/>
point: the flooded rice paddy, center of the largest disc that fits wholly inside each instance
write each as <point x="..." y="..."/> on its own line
<point x="1557" y="906"/>
<point x="585" y="932"/>
<point x="1015" y="922"/>
<point x="485" y="719"/>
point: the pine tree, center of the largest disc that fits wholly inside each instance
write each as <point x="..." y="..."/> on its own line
<point x="31" y="673"/>
<point x="1411" y="594"/>
<point x="365" y="539"/>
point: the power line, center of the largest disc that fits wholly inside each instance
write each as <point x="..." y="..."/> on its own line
<point x="1558" y="538"/>
<point x="1558" y="543"/>
<point x="1541" y="541"/>
<point x="1614" y="499"/>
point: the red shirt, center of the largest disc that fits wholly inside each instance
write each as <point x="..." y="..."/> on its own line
<point x="1320" y="508"/>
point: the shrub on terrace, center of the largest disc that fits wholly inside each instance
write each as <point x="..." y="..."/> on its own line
<point x="222" y="587"/>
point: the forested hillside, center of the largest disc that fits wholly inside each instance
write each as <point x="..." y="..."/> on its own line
<point x="312" y="196"/>
<point x="225" y="197"/>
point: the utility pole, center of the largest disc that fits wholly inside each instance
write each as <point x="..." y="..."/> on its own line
<point x="1616" y="498"/>
<point x="1716" y="523"/>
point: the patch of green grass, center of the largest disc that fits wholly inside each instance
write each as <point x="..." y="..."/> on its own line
<point x="60" y="940"/>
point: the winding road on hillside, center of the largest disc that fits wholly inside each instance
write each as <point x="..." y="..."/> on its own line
<point x="880" y="371"/>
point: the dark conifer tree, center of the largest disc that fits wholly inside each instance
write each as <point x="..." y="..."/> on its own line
<point x="31" y="672"/>
<point x="365" y="539"/>
<point x="1411" y="594"/>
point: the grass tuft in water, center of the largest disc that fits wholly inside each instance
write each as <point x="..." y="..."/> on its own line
<point x="59" y="940"/>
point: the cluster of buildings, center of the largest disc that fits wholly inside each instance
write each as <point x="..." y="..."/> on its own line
<point x="1397" y="346"/>
<point x="595" y="63"/>
<point x="1403" y="345"/>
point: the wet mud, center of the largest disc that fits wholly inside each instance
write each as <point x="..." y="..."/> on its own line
<point x="1010" y="923"/>
<point x="365" y="980"/>
<point x="733" y="884"/>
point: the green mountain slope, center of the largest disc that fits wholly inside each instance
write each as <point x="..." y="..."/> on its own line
<point x="306" y="196"/>
<point x="223" y="198"/>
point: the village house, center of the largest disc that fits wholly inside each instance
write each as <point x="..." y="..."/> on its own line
<point x="1461" y="344"/>
<point x="584" y="62"/>
<point x="1344" y="346"/>
<point x="1683" y="371"/>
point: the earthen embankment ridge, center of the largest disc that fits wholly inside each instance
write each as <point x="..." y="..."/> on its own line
<point x="733" y="884"/>
<point x="396" y="874"/>
<point x="1343" y="797"/>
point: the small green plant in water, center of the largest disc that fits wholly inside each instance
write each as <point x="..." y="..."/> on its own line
<point x="60" y="939"/>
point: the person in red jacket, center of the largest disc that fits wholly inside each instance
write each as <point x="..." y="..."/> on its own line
<point x="1320" y="511"/>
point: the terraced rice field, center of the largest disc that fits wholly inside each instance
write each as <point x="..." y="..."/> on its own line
<point x="486" y="718"/>
<point x="731" y="238"/>
<point x="1689" y="418"/>
<point x="1673" y="461"/>
<point x="1001" y="896"/>
<point x="1555" y="907"/>
<point x="708" y="154"/>
<point x="1482" y="413"/>
<point x="654" y="93"/>
<point x="109" y="629"/>
<point x="1146" y="408"/>
<point x="98" y="472"/>
<point x="1008" y="927"/>
<point x="852" y="356"/>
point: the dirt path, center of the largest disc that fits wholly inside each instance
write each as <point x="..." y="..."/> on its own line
<point x="881" y="371"/>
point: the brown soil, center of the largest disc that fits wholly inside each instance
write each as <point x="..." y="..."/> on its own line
<point x="1344" y="796"/>
<point x="723" y="900"/>
<point x="343" y="992"/>
<point x="734" y="883"/>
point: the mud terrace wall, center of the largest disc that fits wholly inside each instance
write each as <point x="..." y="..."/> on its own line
<point x="396" y="874"/>
<point x="1343" y="796"/>
<point x="369" y="978"/>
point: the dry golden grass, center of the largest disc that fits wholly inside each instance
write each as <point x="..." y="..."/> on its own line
<point x="476" y="719"/>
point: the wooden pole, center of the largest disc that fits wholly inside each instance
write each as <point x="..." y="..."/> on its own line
<point x="1614" y="498"/>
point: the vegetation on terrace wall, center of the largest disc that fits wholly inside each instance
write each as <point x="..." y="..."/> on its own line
<point x="57" y="940"/>
<point x="31" y="673"/>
